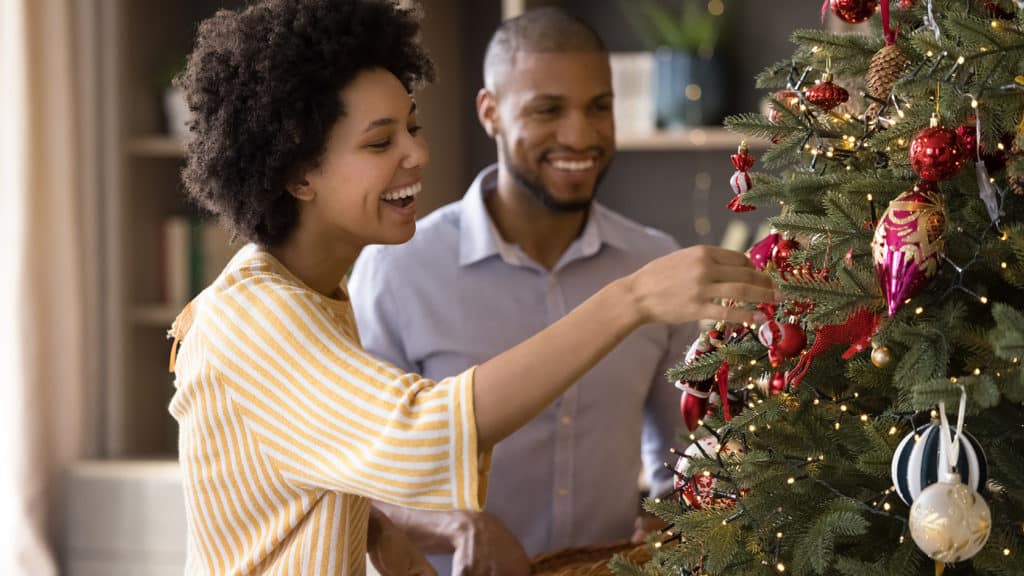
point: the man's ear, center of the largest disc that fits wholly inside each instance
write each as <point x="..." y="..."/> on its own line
<point x="301" y="190"/>
<point x="487" y="111"/>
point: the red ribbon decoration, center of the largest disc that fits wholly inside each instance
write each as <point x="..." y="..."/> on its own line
<point x="856" y="331"/>
<point x="722" y="379"/>
<point x="890" y="33"/>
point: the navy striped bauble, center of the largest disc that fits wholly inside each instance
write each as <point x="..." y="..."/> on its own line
<point x="916" y="465"/>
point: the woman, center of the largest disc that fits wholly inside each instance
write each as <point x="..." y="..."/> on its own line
<point x="306" y="143"/>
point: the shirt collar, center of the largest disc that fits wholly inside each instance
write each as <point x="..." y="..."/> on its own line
<point x="480" y="238"/>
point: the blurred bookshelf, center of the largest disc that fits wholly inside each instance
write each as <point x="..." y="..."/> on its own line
<point x="160" y="250"/>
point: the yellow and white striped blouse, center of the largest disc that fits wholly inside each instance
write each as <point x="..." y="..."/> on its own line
<point x="287" y="428"/>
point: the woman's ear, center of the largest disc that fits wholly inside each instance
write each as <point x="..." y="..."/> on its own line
<point x="301" y="190"/>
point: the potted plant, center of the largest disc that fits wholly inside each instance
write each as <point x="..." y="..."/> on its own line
<point x="688" y="76"/>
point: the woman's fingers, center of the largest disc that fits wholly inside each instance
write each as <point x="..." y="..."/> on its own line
<point x="739" y="292"/>
<point x="732" y="315"/>
<point x="739" y="274"/>
<point x="728" y="257"/>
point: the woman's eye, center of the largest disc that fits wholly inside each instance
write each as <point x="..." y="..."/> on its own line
<point x="380" y="145"/>
<point x="414" y="130"/>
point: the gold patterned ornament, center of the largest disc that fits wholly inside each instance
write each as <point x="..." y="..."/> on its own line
<point x="908" y="243"/>
<point x="950" y="521"/>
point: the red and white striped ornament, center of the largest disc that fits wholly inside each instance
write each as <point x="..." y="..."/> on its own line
<point x="740" y="181"/>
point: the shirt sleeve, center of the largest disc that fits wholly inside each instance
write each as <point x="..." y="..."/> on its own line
<point x="328" y="415"/>
<point x="661" y="413"/>
<point x="377" y="310"/>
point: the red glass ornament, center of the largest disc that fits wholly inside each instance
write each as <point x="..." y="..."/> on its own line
<point x="827" y="95"/>
<point x="937" y="153"/>
<point x="854" y="11"/>
<point x="906" y="4"/>
<point x="969" y="137"/>
<point x="783" y="251"/>
<point x="994" y="10"/>
<point x="908" y="243"/>
<point x="793" y="341"/>
<point x="778" y="383"/>
<point x="783" y="340"/>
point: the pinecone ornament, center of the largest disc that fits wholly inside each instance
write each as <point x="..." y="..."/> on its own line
<point x="887" y="65"/>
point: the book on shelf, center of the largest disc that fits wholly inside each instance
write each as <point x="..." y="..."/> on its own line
<point x="194" y="251"/>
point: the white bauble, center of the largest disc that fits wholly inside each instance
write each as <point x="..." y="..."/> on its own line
<point x="949" y="521"/>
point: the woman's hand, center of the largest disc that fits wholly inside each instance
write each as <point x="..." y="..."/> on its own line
<point x="693" y="283"/>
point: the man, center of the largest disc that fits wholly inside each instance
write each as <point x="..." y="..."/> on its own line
<point x="524" y="246"/>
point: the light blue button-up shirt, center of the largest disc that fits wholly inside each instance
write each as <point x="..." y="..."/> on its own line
<point x="457" y="294"/>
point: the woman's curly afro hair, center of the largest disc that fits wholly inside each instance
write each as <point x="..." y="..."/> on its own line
<point x="264" y="83"/>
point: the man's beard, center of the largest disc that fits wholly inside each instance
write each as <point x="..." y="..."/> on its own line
<point x="542" y="195"/>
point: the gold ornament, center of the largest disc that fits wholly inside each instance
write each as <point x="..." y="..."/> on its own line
<point x="886" y="67"/>
<point x="949" y="521"/>
<point x="880" y="356"/>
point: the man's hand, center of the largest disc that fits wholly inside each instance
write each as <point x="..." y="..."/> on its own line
<point x="391" y="551"/>
<point x="485" y="547"/>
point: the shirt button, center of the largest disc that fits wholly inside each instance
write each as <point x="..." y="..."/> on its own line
<point x="563" y="491"/>
<point x="566" y="420"/>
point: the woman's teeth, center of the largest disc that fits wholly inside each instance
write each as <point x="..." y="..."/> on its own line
<point x="408" y="191"/>
<point x="573" y="165"/>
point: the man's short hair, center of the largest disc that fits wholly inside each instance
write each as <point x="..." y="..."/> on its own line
<point x="548" y="29"/>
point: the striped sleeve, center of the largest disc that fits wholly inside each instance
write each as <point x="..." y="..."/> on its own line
<point x="329" y="415"/>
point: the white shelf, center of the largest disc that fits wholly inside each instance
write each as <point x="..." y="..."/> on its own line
<point x="156" y="146"/>
<point x="711" y="138"/>
<point x="156" y="315"/>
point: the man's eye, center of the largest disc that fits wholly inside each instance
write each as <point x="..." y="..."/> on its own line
<point x="414" y="130"/>
<point x="546" y="111"/>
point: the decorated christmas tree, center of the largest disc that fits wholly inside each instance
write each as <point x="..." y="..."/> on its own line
<point x="874" y="424"/>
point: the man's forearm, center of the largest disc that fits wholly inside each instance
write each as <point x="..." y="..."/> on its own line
<point x="432" y="531"/>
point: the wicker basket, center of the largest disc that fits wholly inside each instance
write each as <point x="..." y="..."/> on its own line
<point x="586" y="561"/>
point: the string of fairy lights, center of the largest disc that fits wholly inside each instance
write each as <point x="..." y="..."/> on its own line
<point x="877" y="505"/>
<point x="821" y="140"/>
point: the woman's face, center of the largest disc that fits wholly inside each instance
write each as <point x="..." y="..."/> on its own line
<point x="364" y="190"/>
